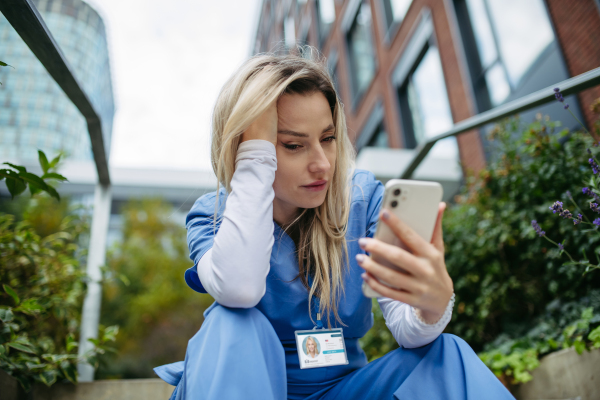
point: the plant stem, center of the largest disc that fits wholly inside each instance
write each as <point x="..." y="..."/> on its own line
<point x="580" y="123"/>
<point x="579" y="209"/>
<point x="556" y="244"/>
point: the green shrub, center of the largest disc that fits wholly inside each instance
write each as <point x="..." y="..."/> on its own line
<point x="506" y="279"/>
<point x="147" y="297"/>
<point x="43" y="283"/>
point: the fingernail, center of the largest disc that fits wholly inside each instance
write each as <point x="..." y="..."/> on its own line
<point x="385" y="214"/>
<point x="364" y="276"/>
<point x="360" y="258"/>
<point x="362" y="242"/>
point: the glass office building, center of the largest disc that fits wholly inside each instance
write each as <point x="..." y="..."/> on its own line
<point x="34" y="112"/>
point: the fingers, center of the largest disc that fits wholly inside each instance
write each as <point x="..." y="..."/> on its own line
<point x="392" y="277"/>
<point x="406" y="234"/>
<point x="438" y="238"/>
<point x="390" y="254"/>
<point x="387" y="291"/>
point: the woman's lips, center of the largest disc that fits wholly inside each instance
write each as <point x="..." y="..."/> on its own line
<point x="316" y="186"/>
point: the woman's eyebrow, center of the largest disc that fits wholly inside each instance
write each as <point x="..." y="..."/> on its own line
<point x="298" y="134"/>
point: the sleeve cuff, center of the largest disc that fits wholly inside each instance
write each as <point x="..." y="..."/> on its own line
<point x="254" y="149"/>
<point x="442" y="322"/>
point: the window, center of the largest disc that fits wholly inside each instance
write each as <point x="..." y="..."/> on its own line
<point x="289" y="32"/>
<point x="361" y="53"/>
<point x="502" y="44"/>
<point x="394" y="11"/>
<point x="373" y="133"/>
<point x="326" y="18"/>
<point x="332" y="64"/>
<point x="424" y="107"/>
<point x="379" y="138"/>
<point x="300" y="6"/>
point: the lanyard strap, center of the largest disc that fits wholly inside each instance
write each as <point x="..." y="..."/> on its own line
<point x="319" y="324"/>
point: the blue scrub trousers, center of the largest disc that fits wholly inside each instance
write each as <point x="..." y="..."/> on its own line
<point x="236" y="354"/>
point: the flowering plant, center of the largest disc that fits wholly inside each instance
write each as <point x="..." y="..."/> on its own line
<point x="591" y="190"/>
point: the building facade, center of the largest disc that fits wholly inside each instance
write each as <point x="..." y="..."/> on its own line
<point x="34" y="112"/>
<point x="407" y="70"/>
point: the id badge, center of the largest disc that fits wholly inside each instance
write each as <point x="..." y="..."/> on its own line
<point x="321" y="348"/>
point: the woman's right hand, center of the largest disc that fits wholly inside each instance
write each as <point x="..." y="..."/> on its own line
<point x="264" y="127"/>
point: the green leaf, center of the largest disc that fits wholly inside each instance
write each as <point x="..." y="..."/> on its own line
<point x="43" y="161"/>
<point x="33" y="179"/>
<point x="71" y="342"/>
<point x="55" y="161"/>
<point x="52" y="192"/>
<point x="6" y="315"/>
<point x="54" y="175"/>
<point x="587" y="313"/>
<point x="30" y="306"/>
<point x="70" y="372"/>
<point x="49" y="377"/>
<point x="17" y="167"/>
<point x="2" y="350"/>
<point x="3" y="64"/>
<point x="579" y="346"/>
<point x="12" y="294"/>
<point x="20" y="347"/>
<point x="15" y="186"/>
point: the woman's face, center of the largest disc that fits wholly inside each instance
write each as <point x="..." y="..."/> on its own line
<point x="311" y="346"/>
<point x="306" y="154"/>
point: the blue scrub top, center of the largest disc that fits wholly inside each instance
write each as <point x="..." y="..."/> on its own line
<point x="285" y="302"/>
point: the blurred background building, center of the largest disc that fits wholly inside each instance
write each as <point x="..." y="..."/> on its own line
<point x="36" y="114"/>
<point x="407" y="70"/>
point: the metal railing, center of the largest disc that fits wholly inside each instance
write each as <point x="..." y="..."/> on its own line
<point x="27" y="22"/>
<point x="567" y="87"/>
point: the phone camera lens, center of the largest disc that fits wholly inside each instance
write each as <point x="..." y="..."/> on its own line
<point x="397" y="192"/>
<point x="394" y="204"/>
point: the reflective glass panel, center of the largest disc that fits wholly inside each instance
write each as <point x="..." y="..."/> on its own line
<point x="523" y="32"/>
<point x="497" y="84"/>
<point x="361" y="49"/>
<point x="399" y="8"/>
<point x="429" y="105"/>
<point x="380" y="138"/>
<point x="482" y="31"/>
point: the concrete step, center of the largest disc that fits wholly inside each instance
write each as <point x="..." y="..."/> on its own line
<point x="113" y="389"/>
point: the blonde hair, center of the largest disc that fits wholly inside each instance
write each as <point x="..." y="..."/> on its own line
<point x="322" y="251"/>
<point x="315" y="342"/>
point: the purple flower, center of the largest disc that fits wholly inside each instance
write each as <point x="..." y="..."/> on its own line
<point x="566" y="214"/>
<point x="594" y="207"/>
<point x="577" y="220"/>
<point x="594" y="165"/>
<point x="591" y="193"/>
<point x="537" y="228"/>
<point x="597" y="221"/>
<point x="566" y="107"/>
<point x="560" y="97"/>
<point x="557" y="207"/>
<point x="560" y="247"/>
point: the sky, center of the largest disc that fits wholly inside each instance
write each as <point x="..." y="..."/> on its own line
<point x="169" y="59"/>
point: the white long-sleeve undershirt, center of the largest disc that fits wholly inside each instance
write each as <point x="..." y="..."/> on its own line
<point x="234" y="270"/>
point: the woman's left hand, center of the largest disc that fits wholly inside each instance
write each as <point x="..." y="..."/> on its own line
<point x="425" y="284"/>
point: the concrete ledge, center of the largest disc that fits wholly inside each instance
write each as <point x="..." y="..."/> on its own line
<point x="564" y="375"/>
<point x="117" y="389"/>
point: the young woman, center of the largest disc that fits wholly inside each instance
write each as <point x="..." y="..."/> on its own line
<point x="311" y="347"/>
<point x="286" y="237"/>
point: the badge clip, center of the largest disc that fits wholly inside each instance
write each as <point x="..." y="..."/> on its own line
<point x="319" y="322"/>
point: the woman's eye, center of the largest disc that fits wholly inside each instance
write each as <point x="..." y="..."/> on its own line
<point x="329" y="139"/>
<point x="291" y="146"/>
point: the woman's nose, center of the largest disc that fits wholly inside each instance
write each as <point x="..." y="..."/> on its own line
<point x="319" y="161"/>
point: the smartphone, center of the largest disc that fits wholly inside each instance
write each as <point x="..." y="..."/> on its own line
<point x="416" y="203"/>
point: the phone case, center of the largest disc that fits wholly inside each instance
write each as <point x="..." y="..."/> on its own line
<point x="414" y="202"/>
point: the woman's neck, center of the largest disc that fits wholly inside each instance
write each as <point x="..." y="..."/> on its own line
<point x="283" y="213"/>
